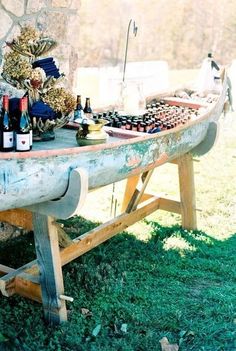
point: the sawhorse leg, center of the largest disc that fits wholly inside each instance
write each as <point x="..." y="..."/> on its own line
<point x="49" y="262"/>
<point x="187" y="191"/>
<point x="130" y="187"/>
<point x="41" y="219"/>
<point x="186" y="207"/>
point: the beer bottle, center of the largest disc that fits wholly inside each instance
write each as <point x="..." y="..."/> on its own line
<point x="78" y="113"/>
<point x="87" y="108"/>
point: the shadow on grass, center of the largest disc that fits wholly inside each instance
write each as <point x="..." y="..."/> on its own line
<point x="179" y="284"/>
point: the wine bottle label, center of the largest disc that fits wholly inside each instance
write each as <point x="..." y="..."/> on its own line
<point x="31" y="137"/>
<point x="7" y="139"/>
<point x="22" y="142"/>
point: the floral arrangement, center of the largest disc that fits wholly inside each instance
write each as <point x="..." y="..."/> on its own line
<point x="26" y="69"/>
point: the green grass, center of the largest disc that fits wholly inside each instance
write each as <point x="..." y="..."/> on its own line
<point x="157" y="280"/>
<point x="154" y="289"/>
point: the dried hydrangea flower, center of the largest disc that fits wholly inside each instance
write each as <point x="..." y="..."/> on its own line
<point x="18" y="70"/>
<point x="23" y="42"/>
<point x="27" y="35"/>
<point x="16" y="67"/>
<point x="60" y="100"/>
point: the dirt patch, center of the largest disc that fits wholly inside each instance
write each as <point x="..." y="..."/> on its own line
<point x="8" y="231"/>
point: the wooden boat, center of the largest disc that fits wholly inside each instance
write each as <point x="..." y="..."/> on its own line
<point x="28" y="178"/>
<point x="61" y="169"/>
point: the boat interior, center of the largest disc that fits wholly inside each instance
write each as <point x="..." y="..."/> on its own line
<point x="66" y="137"/>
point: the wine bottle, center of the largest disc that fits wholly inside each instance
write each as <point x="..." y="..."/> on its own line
<point x="23" y="129"/>
<point x="78" y="113"/>
<point x="87" y="108"/>
<point x="6" y="128"/>
<point x="29" y="119"/>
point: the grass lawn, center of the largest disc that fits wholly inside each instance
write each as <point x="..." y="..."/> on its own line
<point x="155" y="280"/>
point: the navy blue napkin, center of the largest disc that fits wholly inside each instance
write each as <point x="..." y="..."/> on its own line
<point x="44" y="60"/>
<point x="39" y="109"/>
<point x="48" y="65"/>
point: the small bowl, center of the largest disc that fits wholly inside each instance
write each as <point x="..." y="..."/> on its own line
<point x="91" y="134"/>
<point x="94" y="127"/>
<point x="86" y="142"/>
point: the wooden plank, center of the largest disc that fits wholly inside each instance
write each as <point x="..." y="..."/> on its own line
<point x="28" y="289"/>
<point x="49" y="262"/>
<point x="18" y="217"/>
<point x="95" y="237"/>
<point x="7" y="282"/>
<point x="187" y="192"/>
<point x="131" y="184"/>
<point x="7" y="286"/>
<point x="23" y="284"/>
<point x="175" y="161"/>
<point x="83" y="244"/>
<point x="170" y="205"/>
<point x="138" y="193"/>
<point x="5" y="269"/>
<point x="165" y="204"/>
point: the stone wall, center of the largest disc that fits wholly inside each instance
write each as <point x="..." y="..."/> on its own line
<point x="59" y="19"/>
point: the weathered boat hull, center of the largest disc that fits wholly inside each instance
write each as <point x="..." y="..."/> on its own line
<point x="41" y="175"/>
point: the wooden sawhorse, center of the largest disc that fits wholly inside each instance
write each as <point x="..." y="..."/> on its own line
<point x="42" y="280"/>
